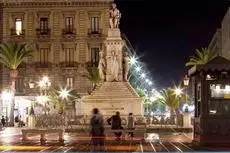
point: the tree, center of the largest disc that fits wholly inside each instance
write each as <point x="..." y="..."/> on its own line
<point x="93" y="75"/>
<point x="12" y="55"/>
<point x="202" y="57"/>
<point x="169" y="98"/>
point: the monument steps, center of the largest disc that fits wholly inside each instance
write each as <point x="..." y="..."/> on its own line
<point x="113" y="90"/>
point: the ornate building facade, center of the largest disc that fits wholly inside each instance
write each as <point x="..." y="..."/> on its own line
<point x="64" y="35"/>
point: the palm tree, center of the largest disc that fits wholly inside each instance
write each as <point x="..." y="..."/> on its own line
<point x="93" y="76"/>
<point x="202" y="57"/>
<point x="169" y="98"/>
<point x="12" y="55"/>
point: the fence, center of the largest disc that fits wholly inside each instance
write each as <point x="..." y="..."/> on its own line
<point x="53" y="121"/>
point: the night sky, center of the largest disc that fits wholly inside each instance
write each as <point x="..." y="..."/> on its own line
<point x="166" y="32"/>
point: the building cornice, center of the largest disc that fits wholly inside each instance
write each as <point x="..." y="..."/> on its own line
<point x="54" y="3"/>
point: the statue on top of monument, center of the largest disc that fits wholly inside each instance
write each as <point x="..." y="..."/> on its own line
<point x="114" y="17"/>
<point x="101" y="66"/>
<point x="114" y="69"/>
<point x="126" y="65"/>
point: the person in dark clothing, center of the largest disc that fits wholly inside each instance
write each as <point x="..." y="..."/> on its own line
<point x="3" y="120"/>
<point x="115" y="121"/>
<point x="97" y="129"/>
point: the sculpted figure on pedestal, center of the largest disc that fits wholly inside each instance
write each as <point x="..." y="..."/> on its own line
<point x="114" y="17"/>
<point x="101" y="66"/>
<point x="126" y="65"/>
<point x="114" y="69"/>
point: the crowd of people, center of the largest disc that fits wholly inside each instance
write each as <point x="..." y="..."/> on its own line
<point x="98" y="129"/>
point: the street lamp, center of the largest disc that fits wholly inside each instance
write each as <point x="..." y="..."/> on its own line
<point x="178" y="91"/>
<point x="186" y="83"/>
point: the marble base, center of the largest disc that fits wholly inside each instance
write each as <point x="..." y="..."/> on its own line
<point x="111" y="97"/>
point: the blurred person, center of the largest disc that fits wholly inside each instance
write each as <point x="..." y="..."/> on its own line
<point x="131" y="124"/>
<point x="115" y="122"/>
<point x="97" y="129"/>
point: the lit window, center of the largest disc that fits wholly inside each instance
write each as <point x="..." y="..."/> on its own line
<point x="94" y="24"/>
<point x="18" y="26"/>
<point x="95" y="56"/>
<point x="69" y="82"/>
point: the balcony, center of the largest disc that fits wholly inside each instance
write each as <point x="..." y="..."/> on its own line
<point x="43" y="33"/>
<point x="94" y="33"/>
<point x="69" y="33"/>
<point x="68" y="64"/>
<point x="16" y="35"/>
<point x="43" y="65"/>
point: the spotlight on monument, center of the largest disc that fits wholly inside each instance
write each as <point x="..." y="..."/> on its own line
<point x="150" y="83"/>
<point x="143" y="75"/>
<point x="133" y="60"/>
<point x="178" y="91"/>
<point x="138" y="68"/>
<point x="64" y="93"/>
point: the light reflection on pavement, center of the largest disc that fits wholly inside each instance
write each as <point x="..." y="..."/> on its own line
<point x="10" y="140"/>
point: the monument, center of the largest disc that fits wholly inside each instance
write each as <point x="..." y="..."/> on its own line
<point x="114" y="92"/>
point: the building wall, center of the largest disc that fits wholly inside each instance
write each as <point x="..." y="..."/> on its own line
<point x="31" y="11"/>
<point x="216" y="43"/>
<point x="225" y="31"/>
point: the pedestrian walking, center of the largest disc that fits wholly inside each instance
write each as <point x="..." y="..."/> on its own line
<point x="115" y="122"/>
<point x="131" y="124"/>
<point x="3" y="121"/>
<point x="97" y="129"/>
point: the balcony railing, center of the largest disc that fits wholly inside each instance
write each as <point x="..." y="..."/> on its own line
<point x="43" y="64"/>
<point x="17" y="34"/>
<point x="43" y="33"/>
<point x="68" y="64"/>
<point x="95" y="33"/>
<point x="69" y="33"/>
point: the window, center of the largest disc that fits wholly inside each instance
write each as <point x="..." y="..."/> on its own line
<point x="69" y="82"/>
<point x="19" y="84"/>
<point x="69" y="25"/>
<point x="69" y="55"/>
<point x="44" y="25"/>
<point x="18" y="26"/>
<point x="95" y="25"/>
<point x="219" y="103"/>
<point x="95" y="56"/>
<point x="44" y="53"/>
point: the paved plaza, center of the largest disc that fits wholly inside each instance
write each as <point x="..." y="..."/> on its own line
<point x="10" y="139"/>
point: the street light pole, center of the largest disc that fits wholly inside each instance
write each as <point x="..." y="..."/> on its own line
<point x="186" y="83"/>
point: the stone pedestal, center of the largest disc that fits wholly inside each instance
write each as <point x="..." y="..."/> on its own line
<point x="111" y="97"/>
<point x="187" y="120"/>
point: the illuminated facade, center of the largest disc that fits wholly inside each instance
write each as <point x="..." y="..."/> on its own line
<point x="65" y="36"/>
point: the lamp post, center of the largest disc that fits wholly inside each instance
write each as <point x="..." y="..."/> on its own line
<point x="186" y="83"/>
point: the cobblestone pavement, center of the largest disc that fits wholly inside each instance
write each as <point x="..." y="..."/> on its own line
<point x="10" y="141"/>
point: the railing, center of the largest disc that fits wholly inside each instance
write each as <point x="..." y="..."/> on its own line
<point x="15" y="34"/>
<point x="68" y="64"/>
<point x="95" y="33"/>
<point x="43" y="33"/>
<point x="49" y="121"/>
<point x="69" y="31"/>
<point x="69" y="122"/>
<point x="42" y="65"/>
